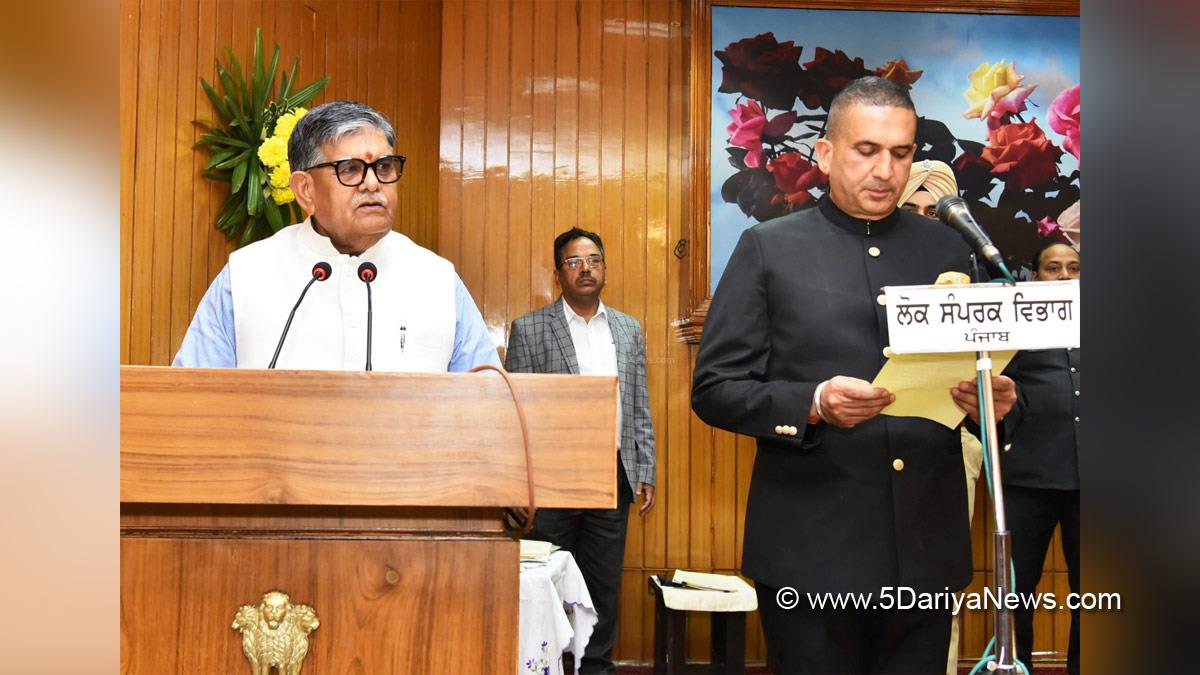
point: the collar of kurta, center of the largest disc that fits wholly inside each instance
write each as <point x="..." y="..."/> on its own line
<point x="849" y="223"/>
<point x="323" y="246"/>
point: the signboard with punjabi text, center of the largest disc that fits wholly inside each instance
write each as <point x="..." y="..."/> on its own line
<point x="981" y="317"/>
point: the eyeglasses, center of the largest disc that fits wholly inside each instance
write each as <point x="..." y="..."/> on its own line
<point x="352" y="172"/>
<point x="927" y="211"/>
<point x="592" y="261"/>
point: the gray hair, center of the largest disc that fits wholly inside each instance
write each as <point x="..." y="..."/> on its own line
<point x="328" y="123"/>
<point x="868" y="91"/>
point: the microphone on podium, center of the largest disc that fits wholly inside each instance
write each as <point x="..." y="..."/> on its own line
<point x="320" y="272"/>
<point x="367" y="272"/>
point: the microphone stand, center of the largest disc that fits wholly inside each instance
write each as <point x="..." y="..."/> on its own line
<point x="1004" y="657"/>
<point x="368" y="324"/>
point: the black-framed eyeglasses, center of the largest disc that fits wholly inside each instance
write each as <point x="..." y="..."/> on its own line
<point x="575" y="262"/>
<point x="352" y="172"/>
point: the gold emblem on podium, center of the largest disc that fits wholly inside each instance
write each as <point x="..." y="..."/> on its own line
<point x="275" y="633"/>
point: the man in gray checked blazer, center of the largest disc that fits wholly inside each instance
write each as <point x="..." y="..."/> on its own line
<point x="578" y="334"/>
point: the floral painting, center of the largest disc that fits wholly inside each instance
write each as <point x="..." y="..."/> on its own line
<point x="997" y="98"/>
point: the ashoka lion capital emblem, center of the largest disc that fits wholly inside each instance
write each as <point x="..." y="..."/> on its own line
<point x="275" y="633"/>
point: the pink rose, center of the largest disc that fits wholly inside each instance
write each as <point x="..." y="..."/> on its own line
<point x="1024" y="153"/>
<point x="1063" y="118"/>
<point x="750" y="126"/>
<point x="795" y="176"/>
<point x="745" y="131"/>
<point x="1046" y="226"/>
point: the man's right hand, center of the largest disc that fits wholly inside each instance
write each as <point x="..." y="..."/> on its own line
<point x="847" y="401"/>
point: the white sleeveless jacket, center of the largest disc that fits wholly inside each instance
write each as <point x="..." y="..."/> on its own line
<point x="413" y="304"/>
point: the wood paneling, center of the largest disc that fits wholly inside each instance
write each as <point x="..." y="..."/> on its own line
<point x="384" y="53"/>
<point x="314" y="437"/>
<point x="557" y="114"/>
<point x="394" y="604"/>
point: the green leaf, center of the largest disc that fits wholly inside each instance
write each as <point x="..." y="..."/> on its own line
<point x="254" y="191"/>
<point x="237" y="113"/>
<point x="264" y="90"/>
<point x="235" y="68"/>
<point x="248" y="235"/>
<point x="274" y="218"/>
<point x="220" y="138"/>
<point x="258" y="57"/>
<point x="229" y="211"/>
<point x="215" y="175"/>
<point x="221" y="156"/>
<point x="229" y="88"/>
<point x="259" y="87"/>
<point x="237" y="226"/>
<point x="239" y="175"/>
<point x="285" y="85"/>
<point x="206" y="124"/>
<point x="306" y="94"/>
<point x="232" y="161"/>
<point x="217" y="101"/>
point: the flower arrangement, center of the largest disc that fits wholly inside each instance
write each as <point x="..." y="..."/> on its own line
<point x="249" y="145"/>
<point x="770" y="142"/>
<point x="273" y="155"/>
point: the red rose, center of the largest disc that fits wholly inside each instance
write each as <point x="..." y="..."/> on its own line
<point x="974" y="175"/>
<point x="897" y="71"/>
<point x="1024" y="153"/>
<point x="827" y="74"/>
<point x="795" y="176"/>
<point x="763" y="69"/>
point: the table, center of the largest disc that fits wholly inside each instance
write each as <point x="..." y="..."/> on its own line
<point x="557" y="615"/>
<point x="728" y="615"/>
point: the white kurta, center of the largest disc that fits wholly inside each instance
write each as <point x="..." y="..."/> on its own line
<point x="412" y="304"/>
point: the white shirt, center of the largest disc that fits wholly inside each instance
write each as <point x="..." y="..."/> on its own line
<point x="595" y="348"/>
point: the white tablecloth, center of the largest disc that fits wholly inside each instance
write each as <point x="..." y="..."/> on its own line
<point x="557" y="615"/>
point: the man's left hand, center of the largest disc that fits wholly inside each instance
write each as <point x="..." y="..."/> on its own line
<point x="648" y="503"/>
<point x="1004" y="396"/>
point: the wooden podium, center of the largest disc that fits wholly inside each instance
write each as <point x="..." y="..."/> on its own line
<point x="374" y="498"/>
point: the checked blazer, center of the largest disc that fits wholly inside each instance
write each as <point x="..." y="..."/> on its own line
<point x="540" y="342"/>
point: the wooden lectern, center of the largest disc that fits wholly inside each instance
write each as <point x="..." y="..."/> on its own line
<point x="374" y="498"/>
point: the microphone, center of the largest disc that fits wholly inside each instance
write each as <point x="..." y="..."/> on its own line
<point x="367" y="273"/>
<point x="953" y="211"/>
<point x="320" y="272"/>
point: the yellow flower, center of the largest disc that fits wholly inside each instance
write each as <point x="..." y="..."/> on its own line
<point x="280" y="175"/>
<point x="287" y="121"/>
<point x="283" y="196"/>
<point x="992" y="84"/>
<point x="273" y="151"/>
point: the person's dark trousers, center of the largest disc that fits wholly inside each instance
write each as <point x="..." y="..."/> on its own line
<point x="1033" y="514"/>
<point x="596" y="537"/>
<point x="809" y="641"/>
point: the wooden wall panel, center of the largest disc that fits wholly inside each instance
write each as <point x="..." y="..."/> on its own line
<point x="381" y="52"/>
<point x="556" y="114"/>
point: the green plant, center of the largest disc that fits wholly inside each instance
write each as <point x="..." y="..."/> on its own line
<point x="247" y="119"/>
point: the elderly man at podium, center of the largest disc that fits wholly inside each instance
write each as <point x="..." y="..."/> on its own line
<point x="325" y="269"/>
